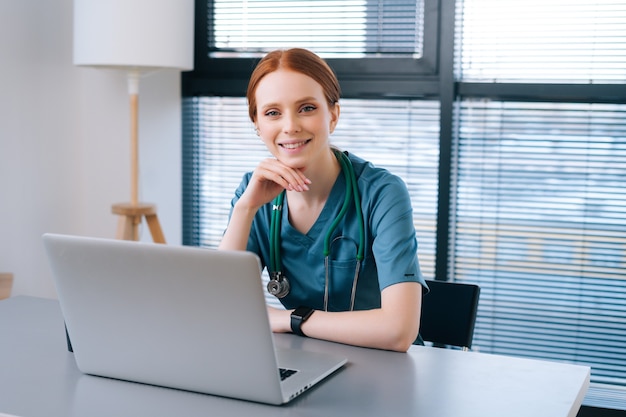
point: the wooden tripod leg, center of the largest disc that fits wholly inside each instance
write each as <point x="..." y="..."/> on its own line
<point x="127" y="228"/>
<point x="6" y="283"/>
<point x="155" y="228"/>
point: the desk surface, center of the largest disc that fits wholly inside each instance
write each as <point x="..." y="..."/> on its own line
<point x="38" y="377"/>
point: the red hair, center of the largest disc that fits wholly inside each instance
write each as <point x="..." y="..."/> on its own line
<point x="298" y="60"/>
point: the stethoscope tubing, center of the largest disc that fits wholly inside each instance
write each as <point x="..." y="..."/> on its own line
<point x="352" y="193"/>
<point x="275" y="223"/>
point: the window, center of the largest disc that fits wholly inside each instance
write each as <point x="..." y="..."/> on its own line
<point x="540" y="195"/>
<point x="506" y="119"/>
<point x="542" y="41"/>
<point x="540" y="226"/>
<point x="353" y="28"/>
<point x="376" y="47"/>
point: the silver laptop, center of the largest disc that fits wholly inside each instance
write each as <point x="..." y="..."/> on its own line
<point x="176" y="316"/>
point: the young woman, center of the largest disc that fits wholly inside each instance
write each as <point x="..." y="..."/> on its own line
<point x="335" y="232"/>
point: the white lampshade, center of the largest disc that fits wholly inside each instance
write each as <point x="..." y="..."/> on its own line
<point x="134" y="34"/>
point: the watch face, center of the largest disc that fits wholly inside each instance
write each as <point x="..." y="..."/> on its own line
<point x="303" y="312"/>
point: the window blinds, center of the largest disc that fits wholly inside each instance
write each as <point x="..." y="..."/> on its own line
<point x="332" y="28"/>
<point x="540" y="197"/>
<point x="221" y="146"/>
<point x="541" y="227"/>
<point x="573" y="41"/>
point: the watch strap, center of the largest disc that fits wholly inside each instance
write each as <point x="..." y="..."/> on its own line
<point x="299" y="316"/>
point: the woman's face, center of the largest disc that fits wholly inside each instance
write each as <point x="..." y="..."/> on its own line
<point x="293" y="118"/>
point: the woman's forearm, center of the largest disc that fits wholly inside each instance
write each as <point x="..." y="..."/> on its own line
<point x="394" y="326"/>
<point x="238" y="230"/>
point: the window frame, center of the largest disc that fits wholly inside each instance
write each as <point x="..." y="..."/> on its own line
<point x="402" y="77"/>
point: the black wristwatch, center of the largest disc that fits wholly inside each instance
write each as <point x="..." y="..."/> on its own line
<point x="299" y="316"/>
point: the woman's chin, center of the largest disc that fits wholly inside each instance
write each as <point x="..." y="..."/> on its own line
<point x="292" y="162"/>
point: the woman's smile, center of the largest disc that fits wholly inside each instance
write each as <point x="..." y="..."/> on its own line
<point x="294" y="145"/>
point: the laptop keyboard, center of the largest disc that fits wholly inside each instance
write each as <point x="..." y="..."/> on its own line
<point x="286" y="373"/>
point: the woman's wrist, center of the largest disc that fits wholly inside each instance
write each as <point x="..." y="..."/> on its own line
<point x="245" y="208"/>
<point x="280" y="320"/>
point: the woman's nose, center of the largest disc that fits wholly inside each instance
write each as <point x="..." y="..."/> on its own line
<point x="292" y="124"/>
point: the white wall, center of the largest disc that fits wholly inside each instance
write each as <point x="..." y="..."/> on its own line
<point x="64" y="142"/>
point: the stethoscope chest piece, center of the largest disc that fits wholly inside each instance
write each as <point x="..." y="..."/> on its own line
<point x="278" y="285"/>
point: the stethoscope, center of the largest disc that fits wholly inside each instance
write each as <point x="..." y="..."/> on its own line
<point x="278" y="284"/>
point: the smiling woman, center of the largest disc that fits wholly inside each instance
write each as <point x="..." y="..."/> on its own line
<point x="303" y="209"/>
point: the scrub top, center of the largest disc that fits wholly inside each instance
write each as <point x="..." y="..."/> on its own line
<point x="390" y="243"/>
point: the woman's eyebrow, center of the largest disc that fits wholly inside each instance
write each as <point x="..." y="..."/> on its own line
<point x="299" y="101"/>
<point x="306" y="99"/>
<point x="264" y="106"/>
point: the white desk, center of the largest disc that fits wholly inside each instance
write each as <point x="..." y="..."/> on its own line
<point x="38" y="377"/>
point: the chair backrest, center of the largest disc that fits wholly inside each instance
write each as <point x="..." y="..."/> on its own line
<point x="449" y="313"/>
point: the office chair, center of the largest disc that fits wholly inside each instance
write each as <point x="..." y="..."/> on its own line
<point x="449" y="314"/>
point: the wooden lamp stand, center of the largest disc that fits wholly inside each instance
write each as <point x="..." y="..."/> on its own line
<point x="131" y="214"/>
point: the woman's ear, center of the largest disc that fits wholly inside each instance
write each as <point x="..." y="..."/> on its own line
<point x="334" y="116"/>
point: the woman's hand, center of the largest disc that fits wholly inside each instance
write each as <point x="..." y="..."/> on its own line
<point x="269" y="179"/>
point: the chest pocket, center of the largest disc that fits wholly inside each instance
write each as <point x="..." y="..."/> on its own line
<point x="343" y="249"/>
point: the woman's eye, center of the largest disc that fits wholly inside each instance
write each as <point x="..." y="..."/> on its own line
<point x="308" y="108"/>
<point x="272" y="113"/>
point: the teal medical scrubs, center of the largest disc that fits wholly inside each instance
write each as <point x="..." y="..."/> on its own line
<point x="390" y="243"/>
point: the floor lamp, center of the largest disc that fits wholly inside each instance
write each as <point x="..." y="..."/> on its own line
<point x="139" y="37"/>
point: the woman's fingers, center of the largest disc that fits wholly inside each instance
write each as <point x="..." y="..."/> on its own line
<point x="288" y="178"/>
<point x="269" y="179"/>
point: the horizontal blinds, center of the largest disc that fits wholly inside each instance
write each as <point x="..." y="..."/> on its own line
<point x="402" y="136"/>
<point x="540" y="225"/>
<point x="220" y="146"/>
<point x="572" y="41"/>
<point x="352" y="27"/>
